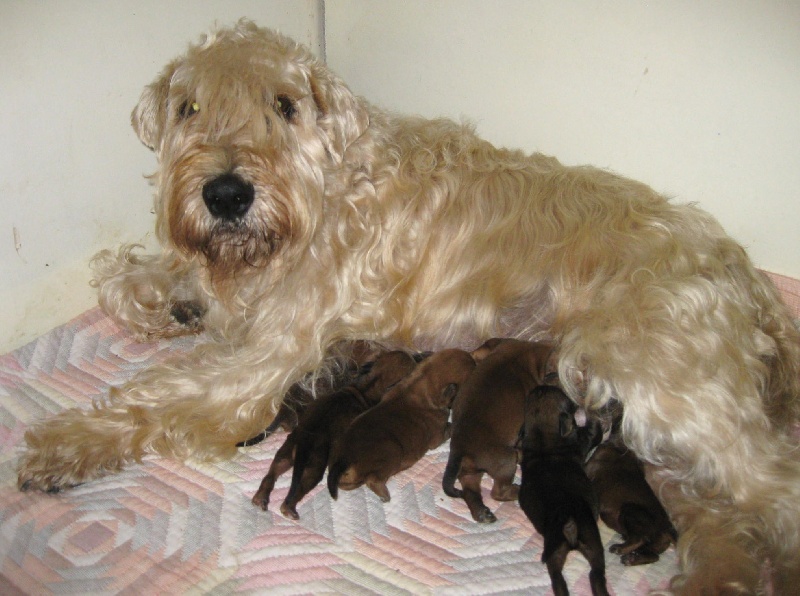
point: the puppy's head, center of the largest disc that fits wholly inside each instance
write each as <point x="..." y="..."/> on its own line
<point x="549" y="418"/>
<point x="388" y="369"/>
<point x="436" y="380"/>
<point x="244" y="125"/>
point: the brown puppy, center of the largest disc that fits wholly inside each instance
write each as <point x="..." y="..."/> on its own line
<point x="627" y="503"/>
<point x="487" y="417"/>
<point x="396" y="433"/>
<point x="309" y="446"/>
<point x="555" y="493"/>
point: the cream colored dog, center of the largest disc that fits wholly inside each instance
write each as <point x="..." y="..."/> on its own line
<point x="294" y="215"/>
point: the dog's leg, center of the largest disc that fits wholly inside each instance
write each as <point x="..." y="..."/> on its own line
<point x="720" y="551"/>
<point x="199" y="405"/>
<point x="591" y="546"/>
<point x="690" y="364"/>
<point x="152" y="296"/>
<point x="471" y="493"/>
<point x="284" y="459"/>
<point x="504" y="488"/>
<point x="311" y="457"/>
<point x="555" y="564"/>
<point x="378" y="486"/>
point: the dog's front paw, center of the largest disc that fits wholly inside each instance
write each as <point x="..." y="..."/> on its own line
<point x="42" y="472"/>
<point x="188" y="314"/>
<point x="185" y="318"/>
<point x="71" y="448"/>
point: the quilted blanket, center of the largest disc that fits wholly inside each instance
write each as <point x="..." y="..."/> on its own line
<point x="172" y="527"/>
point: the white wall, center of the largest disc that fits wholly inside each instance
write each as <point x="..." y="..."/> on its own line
<point x="698" y="98"/>
<point x="71" y="167"/>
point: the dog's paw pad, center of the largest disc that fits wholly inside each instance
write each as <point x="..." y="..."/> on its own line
<point x="187" y="313"/>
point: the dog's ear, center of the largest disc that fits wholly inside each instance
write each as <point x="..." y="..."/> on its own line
<point x="341" y="115"/>
<point x="566" y="424"/>
<point x="149" y="117"/>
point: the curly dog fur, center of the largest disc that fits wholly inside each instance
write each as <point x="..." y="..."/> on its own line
<point x="348" y="222"/>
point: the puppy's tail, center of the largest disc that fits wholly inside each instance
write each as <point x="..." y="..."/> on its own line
<point x="450" y="475"/>
<point x="335" y="472"/>
<point x="571" y="532"/>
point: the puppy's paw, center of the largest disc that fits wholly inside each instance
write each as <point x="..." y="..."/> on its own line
<point x="638" y="557"/>
<point x="485" y="516"/>
<point x="624" y="548"/>
<point x="289" y="511"/>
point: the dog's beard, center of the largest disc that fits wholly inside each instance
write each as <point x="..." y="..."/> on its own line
<point x="232" y="245"/>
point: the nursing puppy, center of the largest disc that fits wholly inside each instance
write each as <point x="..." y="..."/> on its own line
<point x="487" y="417"/>
<point x="555" y="493"/>
<point x="395" y="434"/>
<point x="628" y="504"/>
<point x="342" y="366"/>
<point x="308" y="447"/>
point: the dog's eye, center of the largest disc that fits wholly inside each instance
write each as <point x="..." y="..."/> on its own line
<point x="188" y="109"/>
<point x="285" y="107"/>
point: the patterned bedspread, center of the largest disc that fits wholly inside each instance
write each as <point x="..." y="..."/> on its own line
<point x="171" y="527"/>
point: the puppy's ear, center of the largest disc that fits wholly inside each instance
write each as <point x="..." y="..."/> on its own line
<point x="149" y="117"/>
<point x="341" y="115"/>
<point x="486" y="348"/>
<point x="566" y="424"/>
<point x="449" y="394"/>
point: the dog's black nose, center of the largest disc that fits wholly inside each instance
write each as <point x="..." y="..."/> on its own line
<point x="228" y="196"/>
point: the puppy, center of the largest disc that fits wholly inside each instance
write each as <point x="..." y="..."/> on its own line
<point x="555" y="493"/>
<point x="487" y="417"/>
<point x="344" y="364"/>
<point x="628" y="504"/>
<point x="308" y="446"/>
<point x="294" y="404"/>
<point x="396" y="433"/>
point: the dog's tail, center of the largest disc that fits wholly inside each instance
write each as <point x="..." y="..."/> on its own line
<point x="450" y="475"/>
<point x="335" y="472"/>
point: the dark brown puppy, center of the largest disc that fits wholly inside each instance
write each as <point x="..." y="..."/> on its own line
<point x="288" y="416"/>
<point x="308" y="447"/>
<point x="555" y="493"/>
<point x="627" y="503"/>
<point x="396" y="433"/>
<point x="343" y="365"/>
<point x="487" y="417"/>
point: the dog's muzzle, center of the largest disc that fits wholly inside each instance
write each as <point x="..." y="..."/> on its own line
<point x="228" y="197"/>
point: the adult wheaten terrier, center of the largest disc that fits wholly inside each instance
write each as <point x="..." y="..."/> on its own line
<point x="295" y="216"/>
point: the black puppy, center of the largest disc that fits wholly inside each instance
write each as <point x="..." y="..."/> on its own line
<point x="555" y="493"/>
